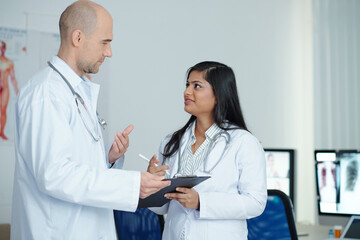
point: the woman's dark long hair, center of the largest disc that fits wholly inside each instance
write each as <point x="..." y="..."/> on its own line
<point x="227" y="108"/>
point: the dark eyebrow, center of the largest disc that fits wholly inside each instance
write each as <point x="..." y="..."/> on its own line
<point x="107" y="40"/>
<point x="195" y="81"/>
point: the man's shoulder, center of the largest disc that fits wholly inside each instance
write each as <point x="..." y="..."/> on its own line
<point x="44" y="85"/>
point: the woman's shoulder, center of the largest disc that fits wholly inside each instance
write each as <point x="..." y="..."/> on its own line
<point x="242" y="135"/>
<point x="235" y="130"/>
<point x="167" y="138"/>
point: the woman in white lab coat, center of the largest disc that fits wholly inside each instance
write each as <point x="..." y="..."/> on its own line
<point x="216" y="142"/>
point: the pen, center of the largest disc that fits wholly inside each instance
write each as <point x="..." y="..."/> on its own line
<point x="145" y="158"/>
<point x="148" y="160"/>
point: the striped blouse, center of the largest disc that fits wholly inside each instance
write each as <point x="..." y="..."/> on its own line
<point x="190" y="162"/>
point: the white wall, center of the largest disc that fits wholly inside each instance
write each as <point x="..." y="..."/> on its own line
<point x="267" y="43"/>
<point x="337" y="76"/>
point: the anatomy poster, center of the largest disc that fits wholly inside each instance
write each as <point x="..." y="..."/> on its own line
<point x="23" y="53"/>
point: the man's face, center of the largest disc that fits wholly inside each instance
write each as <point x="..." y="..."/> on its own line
<point x="97" y="46"/>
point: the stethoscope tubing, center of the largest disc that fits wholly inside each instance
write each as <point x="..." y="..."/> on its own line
<point x="76" y="95"/>
<point x="211" y="146"/>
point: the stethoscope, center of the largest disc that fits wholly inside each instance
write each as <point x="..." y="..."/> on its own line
<point x="217" y="136"/>
<point x="96" y="136"/>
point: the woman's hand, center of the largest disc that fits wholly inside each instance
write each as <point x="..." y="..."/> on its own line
<point x="187" y="197"/>
<point x="155" y="169"/>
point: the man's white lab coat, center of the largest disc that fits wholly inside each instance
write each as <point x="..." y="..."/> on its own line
<point x="63" y="187"/>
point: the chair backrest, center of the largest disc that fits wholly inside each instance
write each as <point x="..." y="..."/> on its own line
<point x="276" y="222"/>
<point x="140" y="225"/>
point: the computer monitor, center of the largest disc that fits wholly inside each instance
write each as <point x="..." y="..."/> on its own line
<point x="338" y="182"/>
<point x="280" y="170"/>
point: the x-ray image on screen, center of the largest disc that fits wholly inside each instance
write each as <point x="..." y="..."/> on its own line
<point x="352" y="177"/>
<point x="338" y="181"/>
<point x="350" y="185"/>
<point x="327" y="180"/>
<point x="326" y="172"/>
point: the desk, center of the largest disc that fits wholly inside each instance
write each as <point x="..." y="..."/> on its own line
<point x="315" y="232"/>
<point x="5" y="231"/>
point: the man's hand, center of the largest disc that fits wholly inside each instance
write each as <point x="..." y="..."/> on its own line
<point x="151" y="183"/>
<point x="187" y="197"/>
<point x="120" y="144"/>
<point x="155" y="169"/>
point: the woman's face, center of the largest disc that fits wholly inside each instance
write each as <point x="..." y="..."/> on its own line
<point x="199" y="97"/>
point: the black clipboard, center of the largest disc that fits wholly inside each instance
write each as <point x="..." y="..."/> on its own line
<point x="157" y="199"/>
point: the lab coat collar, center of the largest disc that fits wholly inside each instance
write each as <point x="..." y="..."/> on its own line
<point x="191" y="129"/>
<point x="92" y="90"/>
<point x="186" y="137"/>
<point x="209" y="133"/>
<point x="65" y="70"/>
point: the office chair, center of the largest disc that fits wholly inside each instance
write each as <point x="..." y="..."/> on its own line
<point x="276" y="222"/>
<point x="140" y="225"/>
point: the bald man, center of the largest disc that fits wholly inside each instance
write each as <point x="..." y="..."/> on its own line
<point x="66" y="182"/>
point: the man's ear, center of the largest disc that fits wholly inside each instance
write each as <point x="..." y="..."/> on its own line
<point x="77" y="37"/>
